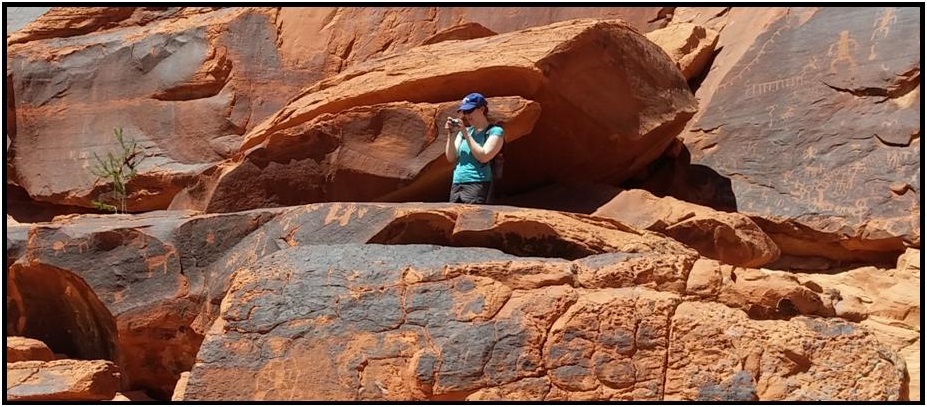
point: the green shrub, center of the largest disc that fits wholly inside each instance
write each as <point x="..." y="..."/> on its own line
<point x="117" y="169"/>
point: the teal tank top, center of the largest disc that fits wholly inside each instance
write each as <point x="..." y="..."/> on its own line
<point x="468" y="168"/>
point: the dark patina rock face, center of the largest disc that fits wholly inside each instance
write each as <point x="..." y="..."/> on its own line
<point x="424" y="322"/>
<point x="816" y="129"/>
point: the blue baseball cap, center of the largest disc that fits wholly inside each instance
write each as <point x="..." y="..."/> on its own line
<point x="472" y="101"/>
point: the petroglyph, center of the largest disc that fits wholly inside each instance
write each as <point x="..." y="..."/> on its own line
<point x="762" y="88"/>
<point x="82" y="156"/>
<point x="814" y="171"/>
<point x="896" y="158"/>
<point x="882" y="27"/>
<point x="842" y="50"/>
<point x="810" y="152"/>
<point x="336" y="214"/>
<point x="154" y="262"/>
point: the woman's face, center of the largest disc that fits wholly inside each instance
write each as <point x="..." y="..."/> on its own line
<point x="468" y="115"/>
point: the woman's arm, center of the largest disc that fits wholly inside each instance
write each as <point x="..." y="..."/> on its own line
<point x="451" y="147"/>
<point x="488" y="150"/>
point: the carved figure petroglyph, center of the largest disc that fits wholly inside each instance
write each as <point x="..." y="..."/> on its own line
<point x="812" y="65"/>
<point x="882" y="27"/>
<point x="841" y="51"/>
<point x="810" y="152"/>
<point x="895" y="159"/>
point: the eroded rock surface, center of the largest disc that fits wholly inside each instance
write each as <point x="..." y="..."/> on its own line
<point x="62" y="380"/>
<point x="386" y="152"/>
<point x="690" y="45"/>
<point x="615" y="96"/>
<point x="20" y="349"/>
<point x="823" y="149"/>
<point x="731" y="238"/>
<point x="717" y="353"/>
<point x="120" y="288"/>
<point x="187" y="82"/>
<point x="297" y="325"/>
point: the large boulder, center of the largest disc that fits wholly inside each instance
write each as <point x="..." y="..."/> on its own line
<point x="612" y="100"/>
<point x="818" y="144"/>
<point x="116" y="285"/>
<point x="385" y="152"/>
<point x="516" y="231"/>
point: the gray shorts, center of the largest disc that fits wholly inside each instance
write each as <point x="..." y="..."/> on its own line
<point x="471" y="192"/>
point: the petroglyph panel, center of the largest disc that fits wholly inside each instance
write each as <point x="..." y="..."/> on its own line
<point x="820" y="117"/>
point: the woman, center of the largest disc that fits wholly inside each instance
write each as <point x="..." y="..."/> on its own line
<point x="474" y="146"/>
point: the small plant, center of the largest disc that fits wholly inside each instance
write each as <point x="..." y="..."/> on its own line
<point x="117" y="169"/>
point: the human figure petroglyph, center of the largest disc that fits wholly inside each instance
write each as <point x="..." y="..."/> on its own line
<point x="810" y="152"/>
<point x="856" y="168"/>
<point x="769" y="111"/>
<point x="882" y="26"/>
<point x="895" y="159"/>
<point x="803" y="190"/>
<point x="842" y="186"/>
<point x="749" y="150"/>
<point x="812" y="65"/>
<point x="841" y="51"/>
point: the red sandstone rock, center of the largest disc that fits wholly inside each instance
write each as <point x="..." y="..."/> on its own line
<point x="385" y="152"/>
<point x="595" y="126"/>
<point x="20" y="349"/>
<point x="718" y="353"/>
<point x="690" y="45"/>
<point x="731" y="238"/>
<point x="779" y="129"/>
<point x="62" y="380"/>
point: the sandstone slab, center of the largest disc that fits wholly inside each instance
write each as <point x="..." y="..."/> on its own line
<point x="731" y="238"/>
<point x="20" y="349"/>
<point x="62" y="380"/>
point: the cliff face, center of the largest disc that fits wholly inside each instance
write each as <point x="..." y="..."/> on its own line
<point x="704" y="204"/>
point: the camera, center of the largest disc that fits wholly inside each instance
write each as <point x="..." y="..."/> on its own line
<point x="455" y="122"/>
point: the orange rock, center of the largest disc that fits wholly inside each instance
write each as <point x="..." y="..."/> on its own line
<point x="62" y="380"/>
<point x="600" y="128"/>
<point x="832" y="199"/>
<point x="391" y="152"/>
<point x="21" y="349"/>
<point x="188" y="82"/>
<point x="467" y="31"/>
<point x="731" y="238"/>
<point x="690" y="45"/>
<point x="719" y="353"/>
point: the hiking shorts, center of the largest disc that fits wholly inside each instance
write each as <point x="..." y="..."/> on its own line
<point x="471" y="192"/>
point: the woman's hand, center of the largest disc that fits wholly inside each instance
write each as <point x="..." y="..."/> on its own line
<point x="452" y="124"/>
<point x="450" y="148"/>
